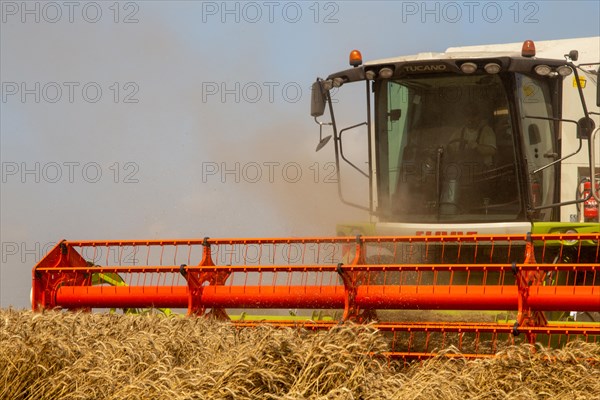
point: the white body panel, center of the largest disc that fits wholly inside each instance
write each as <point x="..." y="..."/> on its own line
<point x="406" y="229"/>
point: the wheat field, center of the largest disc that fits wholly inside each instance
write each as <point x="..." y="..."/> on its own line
<point x="62" y="355"/>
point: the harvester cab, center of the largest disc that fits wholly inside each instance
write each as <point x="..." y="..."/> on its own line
<point x="475" y="142"/>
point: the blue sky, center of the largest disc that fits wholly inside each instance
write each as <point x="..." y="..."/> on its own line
<point x="162" y="121"/>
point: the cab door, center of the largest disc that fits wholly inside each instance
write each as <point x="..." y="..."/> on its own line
<point x="539" y="143"/>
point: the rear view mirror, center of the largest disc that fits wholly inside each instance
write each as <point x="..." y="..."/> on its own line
<point x="317" y="100"/>
<point x="585" y="127"/>
<point x="322" y="142"/>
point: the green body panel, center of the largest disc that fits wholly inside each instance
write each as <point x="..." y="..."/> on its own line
<point x="541" y="228"/>
<point x="562" y="227"/>
<point x="316" y="316"/>
<point x="358" y="228"/>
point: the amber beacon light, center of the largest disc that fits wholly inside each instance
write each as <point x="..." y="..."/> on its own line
<point x="355" y="58"/>
<point x="528" y="49"/>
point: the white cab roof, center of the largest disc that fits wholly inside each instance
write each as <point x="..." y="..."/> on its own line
<point x="589" y="51"/>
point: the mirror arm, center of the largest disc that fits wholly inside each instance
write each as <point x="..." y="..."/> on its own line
<point x="321" y="124"/>
<point x="560" y="159"/>
<point x="336" y="139"/>
<point x="342" y="148"/>
<point x="579" y="89"/>
<point x="322" y="142"/>
<point x="370" y="156"/>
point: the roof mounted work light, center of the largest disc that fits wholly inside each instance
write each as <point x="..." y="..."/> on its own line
<point x="492" y="68"/>
<point x="468" y="67"/>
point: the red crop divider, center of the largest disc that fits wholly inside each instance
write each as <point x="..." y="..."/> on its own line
<point x="45" y="285"/>
<point x="525" y="280"/>
<point x="197" y="278"/>
<point x="352" y="280"/>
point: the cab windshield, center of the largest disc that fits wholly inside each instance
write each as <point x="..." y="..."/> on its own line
<point x="445" y="150"/>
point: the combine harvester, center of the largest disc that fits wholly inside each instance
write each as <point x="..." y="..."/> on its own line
<point x="484" y="226"/>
